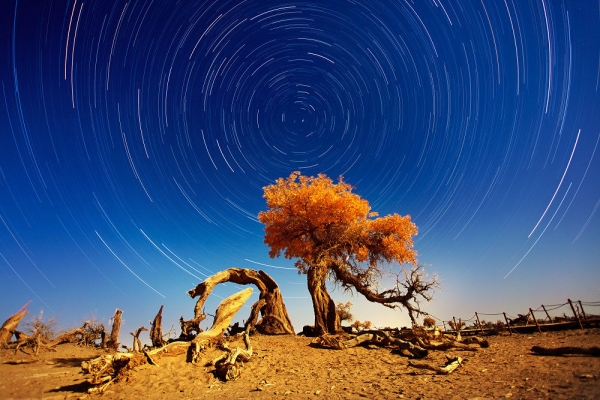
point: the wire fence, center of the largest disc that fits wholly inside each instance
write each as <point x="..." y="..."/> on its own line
<point x="572" y="314"/>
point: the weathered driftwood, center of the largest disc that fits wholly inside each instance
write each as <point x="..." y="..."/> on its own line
<point x="561" y="351"/>
<point x="110" y="368"/>
<point x="226" y="365"/>
<point x="451" y="365"/>
<point x="156" y="334"/>
<point x="113" y="341"/>
<point x="270" y="304"/>
<point x="10" y="325"/>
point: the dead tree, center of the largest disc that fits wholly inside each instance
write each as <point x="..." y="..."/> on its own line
<point x="113" y="341"/>
<point x="275" y="318"/>
<point x="11" y="324"/>
<point x="137" y="343"/>
<point x="156" y="334"/>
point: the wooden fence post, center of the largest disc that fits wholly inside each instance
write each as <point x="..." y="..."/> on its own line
<point x="478" y="322"/>
<point x="583" y="312"/>
<point x="507" y="323"/>
<point x="547" y="315"/>
<point x="535" y="320"/>
<point x="575" y="313"/>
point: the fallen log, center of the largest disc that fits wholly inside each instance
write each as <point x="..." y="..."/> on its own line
<point x="451" y="365"/>
<point x="377" y="337"/>
<point x="561" y="351"/>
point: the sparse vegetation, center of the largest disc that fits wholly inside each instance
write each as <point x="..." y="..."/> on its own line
<point x="359" y="326"/>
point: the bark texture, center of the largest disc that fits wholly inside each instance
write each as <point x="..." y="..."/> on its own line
<point x="327" y="319"/>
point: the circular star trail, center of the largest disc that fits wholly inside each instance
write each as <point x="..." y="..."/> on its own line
<point x="136" y="138"/>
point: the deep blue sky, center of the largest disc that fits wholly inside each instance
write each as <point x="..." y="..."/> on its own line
<point x="136" y="137"/>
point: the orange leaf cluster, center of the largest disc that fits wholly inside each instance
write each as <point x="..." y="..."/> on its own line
<point x="320" y="222"/>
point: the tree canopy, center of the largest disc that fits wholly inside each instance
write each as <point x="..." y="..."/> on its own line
<point x="334" y="235"/>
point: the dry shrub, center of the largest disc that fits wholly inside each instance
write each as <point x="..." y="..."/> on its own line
<point x="343" y="311"/>
<point x="456" y="326"/>
<point x="40" y="329"/>
<point x="359" y="326"/>
<point x="94" y="331"/>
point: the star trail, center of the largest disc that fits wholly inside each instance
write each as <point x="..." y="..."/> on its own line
<point x="136" y="138"/>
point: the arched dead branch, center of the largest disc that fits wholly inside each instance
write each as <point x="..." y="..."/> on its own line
<point x="275" y="318"/>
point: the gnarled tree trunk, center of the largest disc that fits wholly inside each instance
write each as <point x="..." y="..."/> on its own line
<point x="326" y="317"/>
<point x="11" y="324"/>
<point x="275" y="318"/>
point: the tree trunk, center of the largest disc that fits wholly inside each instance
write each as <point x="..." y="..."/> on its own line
<point x="275" y="316"/>
<point x="156" y="334"/>
<point x="113" y="341"/>
<point x="326" y="318"/>
<point x="11" y="324"/>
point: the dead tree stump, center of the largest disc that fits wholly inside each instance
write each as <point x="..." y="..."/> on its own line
<point x="156" y="334"/>
<point x="113" y="340"/>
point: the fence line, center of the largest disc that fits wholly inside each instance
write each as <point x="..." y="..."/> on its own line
<point x="529" y="319"/>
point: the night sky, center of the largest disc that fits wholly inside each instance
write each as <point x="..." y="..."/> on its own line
<point x="136" y="138"/>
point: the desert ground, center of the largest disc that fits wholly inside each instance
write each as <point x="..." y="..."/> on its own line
<point x="290" y="367"/>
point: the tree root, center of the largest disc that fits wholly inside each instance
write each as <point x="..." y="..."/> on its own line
<point x="225" y="365"/>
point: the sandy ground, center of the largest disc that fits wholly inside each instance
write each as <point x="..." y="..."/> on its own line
<point x="288" y="367"/>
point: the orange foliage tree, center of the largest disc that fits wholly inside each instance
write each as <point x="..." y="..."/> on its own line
<point x="335" y="236"/>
